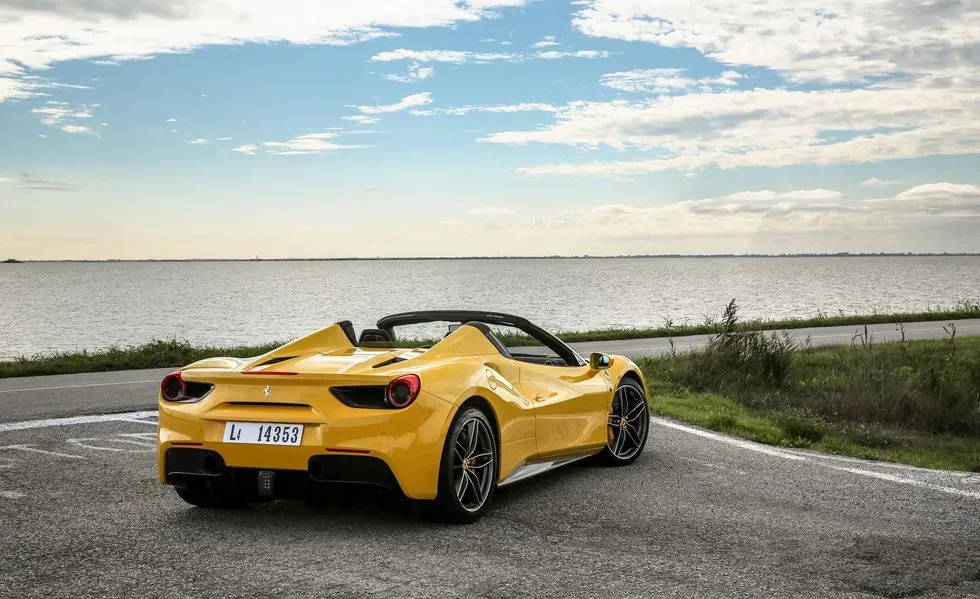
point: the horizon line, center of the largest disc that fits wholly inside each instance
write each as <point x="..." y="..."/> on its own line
<point x="514" y="257"/>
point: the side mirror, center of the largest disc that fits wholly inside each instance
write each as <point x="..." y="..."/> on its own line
<point x="599" y="361"/>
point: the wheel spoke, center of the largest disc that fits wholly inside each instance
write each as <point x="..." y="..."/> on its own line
<point x="471" y="440"/>
<point x="486" y="458"/>
<point x="636" y="411"/>
<point x="618" y="447"/>
<point x="476" y="485"/>
<point x="460" y="449"/>
<point x="634" y="437"/>
<point x="461" y="486"/>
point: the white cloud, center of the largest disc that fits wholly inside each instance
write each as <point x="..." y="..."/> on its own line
<point x="947" y="199"/>
<point x="825" y="40"/>
<point x="200" y="141"/>
<point x="29" y="86"/>
<point x="554" y="54"/>
<point x="312" y="143"/>
<point x="62" y="115"/>
<point x="876" y="182"/>
<point x="491" y="211"/>
<point x="76" y="129"/>
<point x="451" y="56"/>
<point x="763" y="127"/>
<point x="415" y="73"/>
<point x="420" y="99"/>
<point x="664" y="81"/>
<point x="171" y="120"/>
<point x="804" y="220"/>
<point x="497" y="108"/>
<point x="39" y="35"/>
<point x="546" y="42"/>
<point x="362" y="119"/>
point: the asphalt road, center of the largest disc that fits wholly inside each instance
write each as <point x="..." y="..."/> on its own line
<point x="698" y="515"/>
<point x="30" y="398"/>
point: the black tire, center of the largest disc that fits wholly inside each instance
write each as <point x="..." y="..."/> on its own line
<point x="448" y="505"/>
<point x="627" y="440"/>
<point x="208" y="494"/>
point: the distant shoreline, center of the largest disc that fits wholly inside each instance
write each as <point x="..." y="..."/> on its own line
<point x="558" y="257"/>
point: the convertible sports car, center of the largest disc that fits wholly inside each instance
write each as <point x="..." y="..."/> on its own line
<point x="491" y="400"/>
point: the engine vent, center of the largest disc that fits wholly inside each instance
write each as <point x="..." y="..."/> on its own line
<point x="394" y="360"/>
<point x="273" y="361"/>
<point x="362" y="396"/>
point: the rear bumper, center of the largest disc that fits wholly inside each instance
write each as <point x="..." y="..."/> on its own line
<point x="396" y="449"/>
<point x="185" y="465"/>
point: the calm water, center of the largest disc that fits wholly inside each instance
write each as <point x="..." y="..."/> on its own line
<point x="63" y="306"/>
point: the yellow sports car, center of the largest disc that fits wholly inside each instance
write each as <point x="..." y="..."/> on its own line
<point x="489" y="400"/>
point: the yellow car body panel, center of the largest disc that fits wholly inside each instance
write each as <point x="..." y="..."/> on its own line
<point x="539" y="411"/>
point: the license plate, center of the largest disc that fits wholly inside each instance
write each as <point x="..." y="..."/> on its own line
<point x="263" y="433"/>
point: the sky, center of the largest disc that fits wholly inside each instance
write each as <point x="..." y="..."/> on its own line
<point x="304" y="128"/>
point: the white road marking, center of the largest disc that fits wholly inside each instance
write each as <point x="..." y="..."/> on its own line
<point x="33" y="449"/>
<point x="145" y="436"/>
<point x="30" y="424"/>
<point x="906" y="481"/>
<point x="87" y="443"/>
<point x="730" y="440"/>
<point x="10" y="495"/>
<point x="77" y="386"/>
<point x="818" y="460"/>
<point x="138" y="421"/>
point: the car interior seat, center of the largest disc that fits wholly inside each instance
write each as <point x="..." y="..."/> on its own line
<point x="376" y="338"/>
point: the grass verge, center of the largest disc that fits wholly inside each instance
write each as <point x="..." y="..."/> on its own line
<point x="790" y="429"/>
<point x="912" y="402"/>
<point x="155" y="354"/>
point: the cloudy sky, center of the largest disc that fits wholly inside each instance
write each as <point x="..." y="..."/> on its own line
<point x="303" y="128"/>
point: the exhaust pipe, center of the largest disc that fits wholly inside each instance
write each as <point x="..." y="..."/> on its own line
<point x="210" y="464"/>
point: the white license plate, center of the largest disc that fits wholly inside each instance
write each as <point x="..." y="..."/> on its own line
<point x="263" y="433"/>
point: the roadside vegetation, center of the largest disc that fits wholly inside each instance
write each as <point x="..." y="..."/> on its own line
<point x="175" y="352"/>
<point x="915" y="402"/>
<point x="155" y="354"/>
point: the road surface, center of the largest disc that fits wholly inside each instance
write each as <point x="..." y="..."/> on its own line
<point x="698" y="515"/>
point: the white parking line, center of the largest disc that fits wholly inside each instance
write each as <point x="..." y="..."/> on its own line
<point x="77" y="386"/>
<point x="29" y="424"/>
<point x="33" y="449"/>
<point x="758" y="447"/>
<point x="10" y="495"/>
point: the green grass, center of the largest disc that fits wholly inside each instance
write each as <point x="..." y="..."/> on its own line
<point x="174" y="353"/>
<point x="155" y="354"/>
<point x="783" y="428"/>
<point x="911" y="402"/>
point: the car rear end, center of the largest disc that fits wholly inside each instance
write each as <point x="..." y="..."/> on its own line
<point x="277" y="432"/>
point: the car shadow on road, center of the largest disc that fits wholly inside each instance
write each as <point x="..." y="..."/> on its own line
<point x="363" y="507"/>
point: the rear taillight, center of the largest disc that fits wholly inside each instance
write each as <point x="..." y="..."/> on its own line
<point x="402" y="391"/>
<point x="172" y="388"/>
<point x="175" y="388"/>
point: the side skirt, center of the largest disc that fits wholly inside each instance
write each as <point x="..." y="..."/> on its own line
<point x="530" y="469"/>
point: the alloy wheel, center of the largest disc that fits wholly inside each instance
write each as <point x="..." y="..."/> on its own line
<point x="628" y="422"/>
